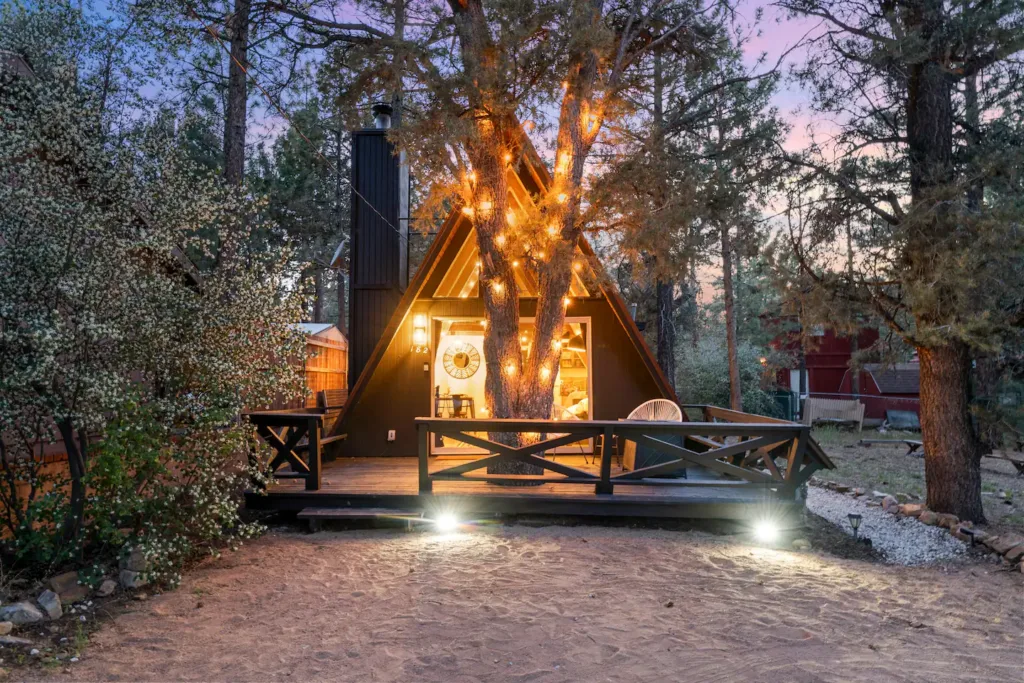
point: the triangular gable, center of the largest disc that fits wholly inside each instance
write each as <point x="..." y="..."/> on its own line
<point x="446" y="240"/>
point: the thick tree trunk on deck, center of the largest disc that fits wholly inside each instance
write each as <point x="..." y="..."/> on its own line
<point x="952" y="452"/>
<point x="735" y="393"/>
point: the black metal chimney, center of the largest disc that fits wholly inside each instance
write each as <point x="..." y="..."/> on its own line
<point x="380" y="237"/>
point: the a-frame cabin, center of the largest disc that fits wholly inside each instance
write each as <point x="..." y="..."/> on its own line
<point x="606" y="368"/>
<point x="414" y="436"/>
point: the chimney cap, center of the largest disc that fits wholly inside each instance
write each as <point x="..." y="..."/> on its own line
<point x="382" y="112"/>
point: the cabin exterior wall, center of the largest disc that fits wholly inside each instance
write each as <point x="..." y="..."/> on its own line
<point x="400" y="388"/>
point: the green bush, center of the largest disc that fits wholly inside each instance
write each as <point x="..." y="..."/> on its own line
<point x="173" y="494"/>
<point x="703" y="376"/>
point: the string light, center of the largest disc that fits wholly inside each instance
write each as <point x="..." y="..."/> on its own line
<point x="562" y="197"/>
<point x="486" y="206"/>
<point x="479" y="263"/>
<point x="500" y="240"/>
<point x="553" y="230"/>
<point x="557" y="344"/>
<point x="515" y="264"/>
<point x="497" y="287"/>
<point x="540" y="255"/>
<point x="510" y="216"/>
<point x="566" y="301"/>
<point x="510" y="368"/>
<point x="577" y="266"/>
<point x="508" y="157"/>
<point x="545" y="372"/>
<point x="467" y="210"/>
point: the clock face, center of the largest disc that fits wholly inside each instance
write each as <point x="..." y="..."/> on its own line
<point x="461" y="360"/>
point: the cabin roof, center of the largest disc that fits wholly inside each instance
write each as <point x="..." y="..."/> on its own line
<point x="903" y="378"/>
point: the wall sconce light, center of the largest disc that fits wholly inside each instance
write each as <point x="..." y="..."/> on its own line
<point x="419" y="334"/>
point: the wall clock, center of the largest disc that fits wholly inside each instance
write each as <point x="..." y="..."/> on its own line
<point x="461" y="360"/>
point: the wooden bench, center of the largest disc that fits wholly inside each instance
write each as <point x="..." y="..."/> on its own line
<point x="833" y="410"/>
<point x="332" y="401"/>
<point x="1015" y="460"/>
<point x="911" y="444"/>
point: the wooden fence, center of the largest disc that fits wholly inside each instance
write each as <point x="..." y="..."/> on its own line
<point x="325" y="367"/>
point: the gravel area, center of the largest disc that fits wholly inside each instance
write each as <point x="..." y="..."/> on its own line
<point x="900" y="540"/>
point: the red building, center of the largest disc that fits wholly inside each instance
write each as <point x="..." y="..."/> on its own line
<point x="825" y="372"/>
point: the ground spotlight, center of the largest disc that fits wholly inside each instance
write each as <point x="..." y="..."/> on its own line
<point x="766" y="531"/>
<point x="446" y="522"/>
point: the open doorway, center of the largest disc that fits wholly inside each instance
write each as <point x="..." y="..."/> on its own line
<point x="459" y="373"/>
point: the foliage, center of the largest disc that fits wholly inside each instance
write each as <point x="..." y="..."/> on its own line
<point x="109" y="335"/>
<point x="703" y="375"/>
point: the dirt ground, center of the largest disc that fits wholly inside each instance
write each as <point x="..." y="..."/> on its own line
<point x="885" y="467"/>
<point x="561" y="604"/>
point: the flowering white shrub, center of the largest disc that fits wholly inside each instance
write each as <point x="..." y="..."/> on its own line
<point x="110" y="337"/>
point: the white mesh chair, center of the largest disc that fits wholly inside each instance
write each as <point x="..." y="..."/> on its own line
<point x="655" y="410"/>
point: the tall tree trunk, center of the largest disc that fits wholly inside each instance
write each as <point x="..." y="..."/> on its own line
<point x="318" y="296"/>
<point x="855" y="337"/>
<point x="665" y="289"/>
<point x="952" y="460"/>
<point x="667" y="330"/>
<point x="341" y="267"/>
<point x="237" y="102"/>
<point x="952" y="451"/>
<point x="735" y="392"/>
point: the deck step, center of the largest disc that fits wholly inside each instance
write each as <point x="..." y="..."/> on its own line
<point x="323" y="514"/>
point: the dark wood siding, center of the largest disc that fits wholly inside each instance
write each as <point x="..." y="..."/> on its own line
<point x="400" y="391"/>
<point x="376" y="250"/>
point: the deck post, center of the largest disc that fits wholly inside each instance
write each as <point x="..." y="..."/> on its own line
<point x="313" y="426"/>
<point x="423" y="437"/>
<point x="605" y="484"/>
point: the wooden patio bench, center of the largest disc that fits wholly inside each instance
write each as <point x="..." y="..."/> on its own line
<point x="1014" y="460"/>
<point x="833" y="410"/>
<point x="331" y="401"/>
<point x="911" y="444"/>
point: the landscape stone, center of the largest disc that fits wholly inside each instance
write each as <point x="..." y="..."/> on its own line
<point x="857" y="491"/>
<point x="135" y="561"/>
<point x="928" y="517"/>
<point x="21" y="613"/>
<point x="801" y="544"/>
<point x="889" y="503"/>
<point x="11" y="640"/>
<point x="903" y="497"/>
<point x="64" y="582"/>
<point x="912" y="509"/>
<point x="76" y="593"/>
<point x="131" y="579"/>
<point x="106" y="588"/>
<point x="1003" y="544"/>
<point x="50" y="602"/>
<point x="5" y="628"/>
<point x="1015" y="553"/>
<point x="841" y="488"/>
<point x="944" y="519"/>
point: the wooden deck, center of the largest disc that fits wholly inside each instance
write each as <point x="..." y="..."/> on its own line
<point x="393" y="482"/>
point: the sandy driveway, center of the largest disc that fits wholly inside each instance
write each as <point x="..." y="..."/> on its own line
<point x="562" y="604"/>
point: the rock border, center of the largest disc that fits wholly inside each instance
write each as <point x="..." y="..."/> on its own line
<point x="1007" y="547"/>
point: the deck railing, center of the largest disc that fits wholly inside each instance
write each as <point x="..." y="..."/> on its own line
<point x="743" y="450"/>
<point x="290" y="433"/>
